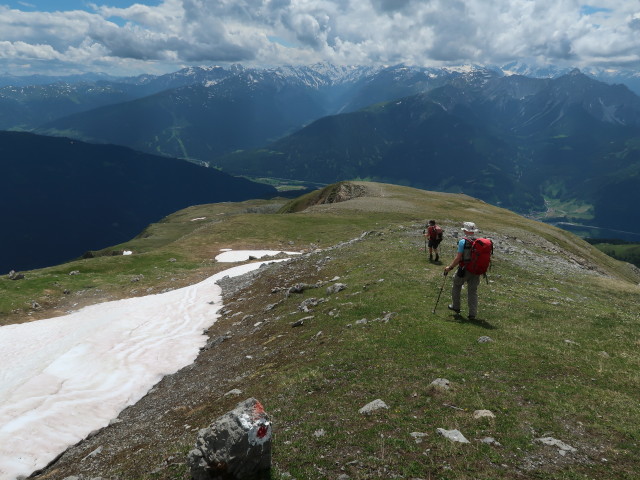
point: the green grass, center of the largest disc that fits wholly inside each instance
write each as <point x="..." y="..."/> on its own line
<point x="536" y="383"/>
<point x="563" y="362"/>
<point x="627" y="252"/>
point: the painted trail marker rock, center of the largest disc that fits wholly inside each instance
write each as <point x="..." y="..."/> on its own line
<point x="237" y="446"/>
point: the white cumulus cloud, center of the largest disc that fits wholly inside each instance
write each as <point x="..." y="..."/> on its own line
<point x="167" y="35"/>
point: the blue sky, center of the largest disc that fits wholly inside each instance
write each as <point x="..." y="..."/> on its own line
<point x="122" y="37"/>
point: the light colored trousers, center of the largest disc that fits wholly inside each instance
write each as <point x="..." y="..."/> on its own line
<point x="472" y="282"/>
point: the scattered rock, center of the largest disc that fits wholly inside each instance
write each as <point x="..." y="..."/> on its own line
<point x="385" y="319"/>
<point x="371" y="407"/>
<point x="299" y="288"/>
<point x="563" y="448"/>
<point x="485" y="339"/>
<point x="319" y="433"/>
<point x="74" y="272"/>
<point x="95" y="453"/>
<point x="234" y="392"/>
<point x="418" y="436"/>
<point x="236" y="446"/>
<point x="310" y="302"/>
<point x="335" y="288"/>
<point x="453" y="435"/>
<point x="441" y="383"/>
<point x="491" y="441"/>
<point x="13" y="275"/>
<point x="298" y="323"/>
<point x="271" y="306"/>
<point x="479" y="414"/>
<point x="215" y="341"/>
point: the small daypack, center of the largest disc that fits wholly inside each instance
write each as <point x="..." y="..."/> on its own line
<point x="481" y="250"/>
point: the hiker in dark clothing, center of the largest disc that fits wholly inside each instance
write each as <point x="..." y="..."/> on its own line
<point x="434" y="237"/>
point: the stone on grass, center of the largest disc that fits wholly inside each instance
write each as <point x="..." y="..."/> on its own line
<point x="234" y="392"/>
<point x="442" y="383"/>
<point x="563" y="448"/>
<point x="13" y="275"/>
<point x="335" y="288"/>
<point x="418" y="436"/>
<point x="479" y="414"/>
<point x="485" y="339"/>
<point x="491" y="441"/>
<point x="453" y="435"/>
<point x="237" y="446"/>
<point x="371" y="407"/>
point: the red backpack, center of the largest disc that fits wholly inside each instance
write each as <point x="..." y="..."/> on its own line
<point x="481" y="250"/>
<point x="435" y="232"/>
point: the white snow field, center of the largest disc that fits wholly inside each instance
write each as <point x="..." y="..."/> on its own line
<point x="64" y="377"/>
<point x="242" y="255"/>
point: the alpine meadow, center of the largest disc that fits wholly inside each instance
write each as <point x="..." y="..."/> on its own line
<point x="553" y="355"/>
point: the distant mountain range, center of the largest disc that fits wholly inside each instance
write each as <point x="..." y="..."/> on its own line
<point x="61" y="197"/>
<point x="272" y="101"/>
<point x="553" y="140"/>
<point x="526" y="144"/>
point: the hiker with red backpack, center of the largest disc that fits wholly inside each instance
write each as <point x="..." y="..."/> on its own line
<point x="473" y="259"/>
<point x="433" y="233"/>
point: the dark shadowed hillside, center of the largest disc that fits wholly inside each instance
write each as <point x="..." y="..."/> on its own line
<point x="62" y="197"/>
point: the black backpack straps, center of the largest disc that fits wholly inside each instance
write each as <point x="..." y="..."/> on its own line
<point x="466" y="252"/>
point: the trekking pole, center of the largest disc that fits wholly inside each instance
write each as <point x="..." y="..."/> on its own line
<point x="424" y="233"/>
<point x="441" y="288"/>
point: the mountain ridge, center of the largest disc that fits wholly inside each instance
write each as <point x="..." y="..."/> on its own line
<point x="510" y="141"/>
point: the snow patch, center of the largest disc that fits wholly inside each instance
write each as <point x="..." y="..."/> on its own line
<point x="243" y="255"/>
<point x="63" y="377"/>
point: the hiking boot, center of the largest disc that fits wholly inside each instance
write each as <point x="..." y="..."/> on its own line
<point x="437" y="257"/>
<point x="472" y="317"/>
<point x="450" y="307"/>
<point x="431" y="257"/>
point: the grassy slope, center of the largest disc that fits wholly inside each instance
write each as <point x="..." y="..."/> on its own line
<point x="563" y="363"/>
<point x="625" y="252"/>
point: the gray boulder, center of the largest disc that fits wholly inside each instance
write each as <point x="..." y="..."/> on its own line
<point x="13" y="275"/>
<point x="237" y="446"/>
